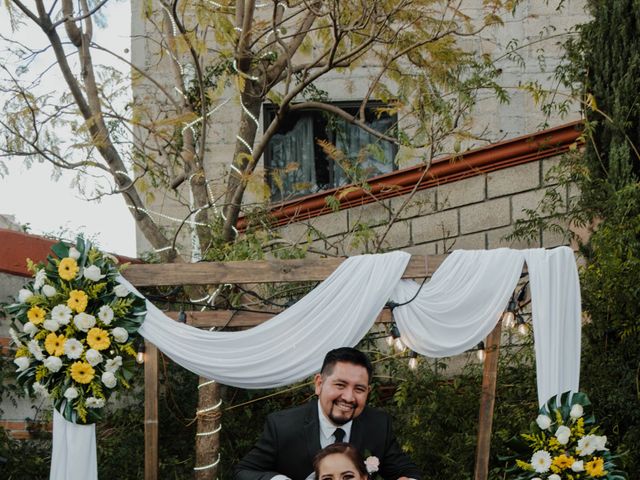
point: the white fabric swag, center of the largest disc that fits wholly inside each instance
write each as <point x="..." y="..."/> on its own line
<point x="453" y="312"/>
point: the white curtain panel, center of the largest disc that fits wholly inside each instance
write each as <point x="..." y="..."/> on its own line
<point x="452" y="313"/>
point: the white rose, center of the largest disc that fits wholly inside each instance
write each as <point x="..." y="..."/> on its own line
<point x="84" y="321"/>
<point x="51" y="325"/>
<point x="105" y="314"/>
<point x="109" y="379"/>
<point x="41" y="276"/>
<point x="22" y="363"/>
<point x="554" y="476"/>
<point x="61" y="314"/>
<point x="35" y="350"/>
<point x="70" y="393"/>
<point x="94" y="357"/>
<point x="30" y="329"/>
<point x="49" y="291"/>
<point x="576" y="411"/>
<point x="543" y="422"/>
<point x="578" y="466"/>
<point x="120" y="335"/>
<point x="93" y="402"/>
<point x="121" y="291"/>
<point x="562" y="434"/>
<point x="73" y="348"/>
<point x="93" y="273"/>
<point x="24" y="295"/>
<point x="40" y="390"/>
<point x="112" y="365"/>
<point x="73" y="253"/>
<point x="53" y="363"/>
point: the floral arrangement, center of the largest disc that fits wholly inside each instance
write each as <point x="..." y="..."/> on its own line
<point x="563" y="444"/>
<point x="74" y="327"/>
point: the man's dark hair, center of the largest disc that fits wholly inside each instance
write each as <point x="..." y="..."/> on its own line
<point x="345" y="355"/>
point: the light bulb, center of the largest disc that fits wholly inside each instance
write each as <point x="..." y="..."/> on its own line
<point x="413" y="363"/>
<point x="509" y="319"/>
<point x="140" y="357"/>
<point x="401" y="347"/>
<point x="389" y="340"/>
<point x="481" y="354"/>
<point x="523" y="329"/>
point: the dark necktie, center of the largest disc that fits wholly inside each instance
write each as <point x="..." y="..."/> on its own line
<point x="339" y="435"/>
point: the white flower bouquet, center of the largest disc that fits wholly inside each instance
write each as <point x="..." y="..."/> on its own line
<point x="74" y="328"/>
<point x="563" y="444"/>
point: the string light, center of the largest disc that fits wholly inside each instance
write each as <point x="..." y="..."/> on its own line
<point x="211" y="465"/>
<point x="509" y="316"/>
<point x="393" y="334"/>
<point x="480" y="352"/>
<point x="413" y="360"/>
<point x="140" y="354"/>
<point x="522" y="327"/>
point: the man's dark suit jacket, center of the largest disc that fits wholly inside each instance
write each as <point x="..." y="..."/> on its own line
<point x="291" y="439"/>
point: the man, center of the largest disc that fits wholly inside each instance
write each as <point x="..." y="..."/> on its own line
<point x="292" y="437"/>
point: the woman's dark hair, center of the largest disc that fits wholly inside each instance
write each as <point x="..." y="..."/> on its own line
<point x="345" y="449"/>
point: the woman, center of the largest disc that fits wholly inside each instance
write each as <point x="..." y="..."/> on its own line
<point x="339" y="461"/>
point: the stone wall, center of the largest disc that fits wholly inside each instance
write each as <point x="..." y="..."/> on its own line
<point x="474" y="213"/>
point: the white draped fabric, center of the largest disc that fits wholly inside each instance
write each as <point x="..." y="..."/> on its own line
<point x="452" y="313"/>
<point x="73" y="453"/>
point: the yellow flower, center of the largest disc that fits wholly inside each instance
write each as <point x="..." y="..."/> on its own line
<point x="595" y="467"/>
<point x="98" y="339"/>
<point x="36" y="315"/>
<point x="562" y="461"/>
<point x="22" y="352"/>
<point x="77" y="300"/>
<point x="68" y="268"/>
<point x="82" y="372"/>
<point x="54" y="344"/>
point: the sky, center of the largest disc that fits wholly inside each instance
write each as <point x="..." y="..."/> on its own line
<point x="48" y="206"/>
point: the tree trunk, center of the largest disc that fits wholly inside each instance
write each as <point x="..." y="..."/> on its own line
<point x="208" y="431"/>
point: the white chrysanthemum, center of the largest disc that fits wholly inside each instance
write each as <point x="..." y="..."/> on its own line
<point x="35" y="349"/>
<point x="84" y="321"/>
<point x="587" y="445"/>
<point x="94" y="357"/>
<point x="562" y="434"/>
<point x="112" y="365"/>
<point x="53" y="363"/>
<point x="92" y="272"/>
<point x="121" y="291"/>
<point x="120" y="335"/>
<point x="105" y="314"/>
<point x="74" y="253"/>
<point x="576" y="411"/>
<point x="543" y="422"/>
<point x="109" y="379"/>
<point x="22" y="363"/>
<point x="41" y="276"/>
<point x="40" y="390"/>
<point x="30" y="329"/>
<point x="49" y="291"/>
<point x="51" y="325"/>
<point x="24" y="295"/>
<point x="61" y="314"/>
<point x="70" y="393"/>
<point x="554" y="476"/>
<point x="73" y="348"/>
<point x="541" y="461"/>
<point x="578" y="466"/>
<point x="93" y="402"/>
<point x="601" y="441"/>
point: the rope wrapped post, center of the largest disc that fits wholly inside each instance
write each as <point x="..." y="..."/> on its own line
<point x="208" y="430"/>
<point x="150" y="411"/>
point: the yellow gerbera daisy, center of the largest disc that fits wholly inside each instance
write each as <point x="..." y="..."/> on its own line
<point x="68" y="268"/>
<point x="77" y="300"/>
<point x="562" y="461"/>
<point x="82" y="372"/>
<point x="595" y="467"/>
<point x="36" y="315"/>
<point x="54" y="344"/>
<point x="98" y="338"/>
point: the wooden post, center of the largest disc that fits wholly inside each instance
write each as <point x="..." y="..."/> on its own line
<point x="208" y="433"/>
<point x="150" y="412"/>
<point x="487" y="401"/>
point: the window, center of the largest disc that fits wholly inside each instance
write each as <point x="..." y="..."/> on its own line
<point x="297" y="164"/>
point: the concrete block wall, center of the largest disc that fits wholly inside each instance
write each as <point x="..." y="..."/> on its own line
<point x="474" y="213"/>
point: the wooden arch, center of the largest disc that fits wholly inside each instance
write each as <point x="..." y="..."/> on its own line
<point x="256" y="272"/>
